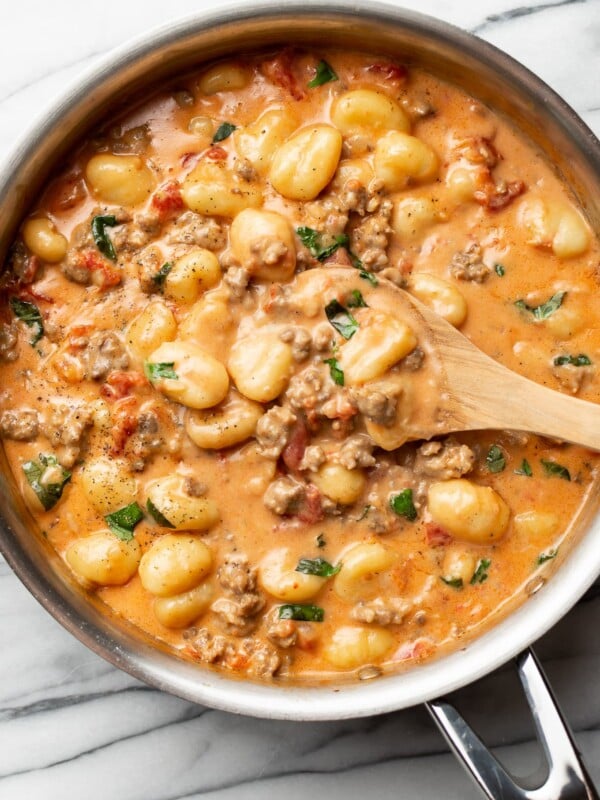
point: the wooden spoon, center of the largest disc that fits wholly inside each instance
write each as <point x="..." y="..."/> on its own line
<point x="483" y="394"/>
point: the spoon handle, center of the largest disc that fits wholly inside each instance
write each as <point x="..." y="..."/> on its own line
<point x="495" y="397"/>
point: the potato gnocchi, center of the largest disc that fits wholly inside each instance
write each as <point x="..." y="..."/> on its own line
<point x="213" y="398"/>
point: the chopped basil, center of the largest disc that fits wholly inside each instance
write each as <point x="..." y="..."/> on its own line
<point x="161" y="276"/>
<point x="224" y="130"/>
<point x="544" y="310"/>
<point x="336" y="372"/>
<point x="317" y="566"/>
<point x="101" y="238"/>
<point x="552" y="468"/>
<point x="402" y="504"/>
<point x="48" y="493"/>
<point x="356" y="300"/>
<point x="325" y="74"/>
<point x="154" y="372"/>
<point x="313" y="240"/>
<point x="123" y="521"/>
<point x="499" y="270"/>
<point x="303" y="613"/>
<point x="524" y="469"/>
<point x="28" y="313"/>
<point x="341" y="319"/>
<point x="495" y="460"/>
<point x="157" y="515"/>
<point x="548" y="556"/>
<point x="456" y="583"/>
<point x="480" y="575"/>
<point x="320" y="541"/>
<point x="577" y="361"/>
<point x="365" y="511"/>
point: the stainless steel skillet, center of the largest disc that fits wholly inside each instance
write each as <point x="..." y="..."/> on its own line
<point x="539" y="113"/>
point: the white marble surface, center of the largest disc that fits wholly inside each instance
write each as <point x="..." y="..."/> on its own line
<point x="71" y="726"/>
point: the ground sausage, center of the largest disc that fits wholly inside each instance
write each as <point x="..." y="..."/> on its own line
<point x="468" y="266"/>
<point x="64" y="424"/>
<point x="273" y="431"/>
<point x="9" y="341"/>
<point x="444" y="460"/>
<point x="284" y="495"/>
<point x="238" y="615"/>
<point x="194" y="229"/>
<point x="356" y="451"/>
<point x="370" y="239"/>
<point x="21" y="424"/>
<point x="380" y="611"/>
<point x="375" y="405"/>
<point x="236" y="575"/>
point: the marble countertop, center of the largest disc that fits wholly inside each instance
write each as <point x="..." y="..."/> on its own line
<point x="71" y="725"/>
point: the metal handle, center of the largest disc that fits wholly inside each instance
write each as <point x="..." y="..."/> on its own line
<point x="567" y="777"/>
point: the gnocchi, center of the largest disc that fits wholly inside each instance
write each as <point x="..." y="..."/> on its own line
<point x="193" y="377"/>
<point x="303" y="166"/>
<point x="104" y="560"/>
<point x="174" y="564"/>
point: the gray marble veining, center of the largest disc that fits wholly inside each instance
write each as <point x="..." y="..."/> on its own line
<point x="71" y="725"/>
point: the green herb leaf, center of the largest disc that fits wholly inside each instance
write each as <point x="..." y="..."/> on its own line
<point x="123" y="521"/>
<point x="402" y="504"/>
<point x="356" y="300"/>
<point x="365" y="511"/>
<point x="524" y="469"/>
<point x="317" y="566"/>
<point x="154" y="372"/>
<point x="336" y="372"/>
<point x="341" y="319"/>
<point x="499" y="270"/>
<point x="325" y="74"/>
<point x="320" y="541"/>
<point x="577" y="361"/>
<point x="157" y="515"/>
<point x="161" y="276"/>
<point x="544" y="310"/>
<point x="224" y="130"/>
<point x="303" y="613"/>
<point x="551" y="468"/>
<point x="480" y="575"/>
<point x="48" y="493"/>
<point x="495" y="460"/>
<point x="314" y="241"/>
<point x="456" y="583"/>
<point x="548" y="556"/>
<point x="101" y="238"/>
<point x="28" y="313"/>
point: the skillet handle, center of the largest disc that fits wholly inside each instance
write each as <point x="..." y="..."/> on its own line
<point x="567" y="777"/>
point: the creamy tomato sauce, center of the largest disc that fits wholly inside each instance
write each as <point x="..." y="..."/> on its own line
<point x="213" y="391"/>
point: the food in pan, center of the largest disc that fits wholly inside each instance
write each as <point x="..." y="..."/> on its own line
<point x="210" y="395"/>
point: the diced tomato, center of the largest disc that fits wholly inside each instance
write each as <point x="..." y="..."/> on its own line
<point x="103" y="272"/>
<point x="30" y="269"/>
<point x="293" y="452"/>
<point x="31" y="293"/>
<point x="388" y="71"/>
<point x="216" y="153"/>
<point x="167" y="199"/>
<point x="187" y="159"/>
<point x="280" y="71"/>
<point x="418" y="650"/>
<point x="436" y="536"/>
<point x="120" y="383"/>
<point x="497" y="196"/>
<point x="311" y="510"/>
<point x="124" y="423"/>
